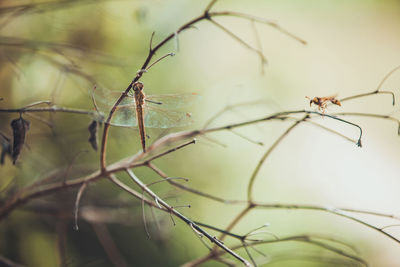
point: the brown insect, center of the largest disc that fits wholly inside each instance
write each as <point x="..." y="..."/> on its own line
<point x="146" y="111"/>
<point x="322" y="102"/>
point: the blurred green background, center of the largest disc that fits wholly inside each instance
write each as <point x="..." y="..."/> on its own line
<point x="59" y="51"/>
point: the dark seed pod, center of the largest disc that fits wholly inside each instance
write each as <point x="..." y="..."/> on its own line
<point x="20" y="127"/>
<point x="93" y="128"/>
<point x="5" y="148"/>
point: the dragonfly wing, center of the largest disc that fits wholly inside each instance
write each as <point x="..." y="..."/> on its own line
<point x="125" y="114"/>
<point x="172" y="101"/>
<point x="159" y="118"/>
<point x="155" y="115"/>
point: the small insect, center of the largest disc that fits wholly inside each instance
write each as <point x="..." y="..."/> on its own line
<point x="322" y="102"/>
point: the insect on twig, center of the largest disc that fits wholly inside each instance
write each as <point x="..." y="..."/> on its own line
<point x="322" y="102"/>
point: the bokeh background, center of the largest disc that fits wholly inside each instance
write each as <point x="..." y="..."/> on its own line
<point x="59" y="51"/>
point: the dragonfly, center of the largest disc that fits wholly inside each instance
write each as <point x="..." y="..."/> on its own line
<point x="144" y="111"/>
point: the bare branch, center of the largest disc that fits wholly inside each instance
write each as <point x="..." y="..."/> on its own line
<point x="260" y="20"/>
<point x="108" y="244"/>
<point x="186" y="220"/>
<point x="192" y="190"/>
<point x="210" y="5"/>
<point x="237" y="38"/>
<point x="339" y="212"/>
<point x="77" y="201"/>
<point x="368" y="94"/>
<point x="151" y="41"/>
<point x="158" y="60"/>
<point x="378" y="88"/>
<point x="309" y="238"/>
<point x="47" y="109"/>
<point x="265" y="156"/>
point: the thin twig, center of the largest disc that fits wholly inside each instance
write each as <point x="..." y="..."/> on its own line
<point x="144" y="217"/>
<point x="77" y="201"/>
<point x="298" y="238"/>
<point x="71" y="163"/>
<point x="210" y="5"/>
<point x="192" y="190"/>
<point x="368" y="94"/>
<point x="247" y="138"/>
<point x="259" y="45"/>
<point x="390" y="226"/>
<point x="183" y="218"/>
<point x="259" y="20"/>
<point x="161" y="58"/>
<point x="168" y="179"/>
<point x="265" y="156"/>
<point x="169" y="151"/>
<point x="44" y="121"/>
<point x="237" y="38"/>
<point x="386" y="77"/>
<point x="249" y="254"/>
<point x="108" y="244"/>
<point x="378" y="89"/>
<point x="47" y="109"/>
<point x="339" y="212"/>
<point x="151" y="41"/>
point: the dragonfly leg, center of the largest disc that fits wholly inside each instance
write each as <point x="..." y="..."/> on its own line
<point x="154" y="102"/>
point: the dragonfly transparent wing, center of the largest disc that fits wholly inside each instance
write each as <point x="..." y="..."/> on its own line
<point x="155" y="117"/>
<point x="173" y="101"/>
<point x="125" y="114"/>
<point x="160" y="111"/>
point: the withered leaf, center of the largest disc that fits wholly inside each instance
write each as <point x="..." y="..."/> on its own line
<point x="5" y="147"/>
<point x="20" y="127"/>
<point x="93" y="128"/>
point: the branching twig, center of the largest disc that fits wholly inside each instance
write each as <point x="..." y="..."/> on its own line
<point x="259" y="20"/>
<point x="311" y="239"/>
<point x="265" y="156"/>
<point x="157" y="151"/>
<point x="241" y="41"/>
<point x="185" y="219"/>
<point x="47" y="109"/>
<point x="377" y="90"/>
<point x="205" y="16"/>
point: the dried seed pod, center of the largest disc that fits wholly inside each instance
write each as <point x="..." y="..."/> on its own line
<point x="93" y="128"/>
<point x="5" y="147"/>
<point x="20" y="127"/>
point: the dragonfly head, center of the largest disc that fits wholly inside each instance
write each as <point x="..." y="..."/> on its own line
<point x="137" y="86"/>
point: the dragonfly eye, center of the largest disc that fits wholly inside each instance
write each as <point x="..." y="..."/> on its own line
<point x="138" y="86"/>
